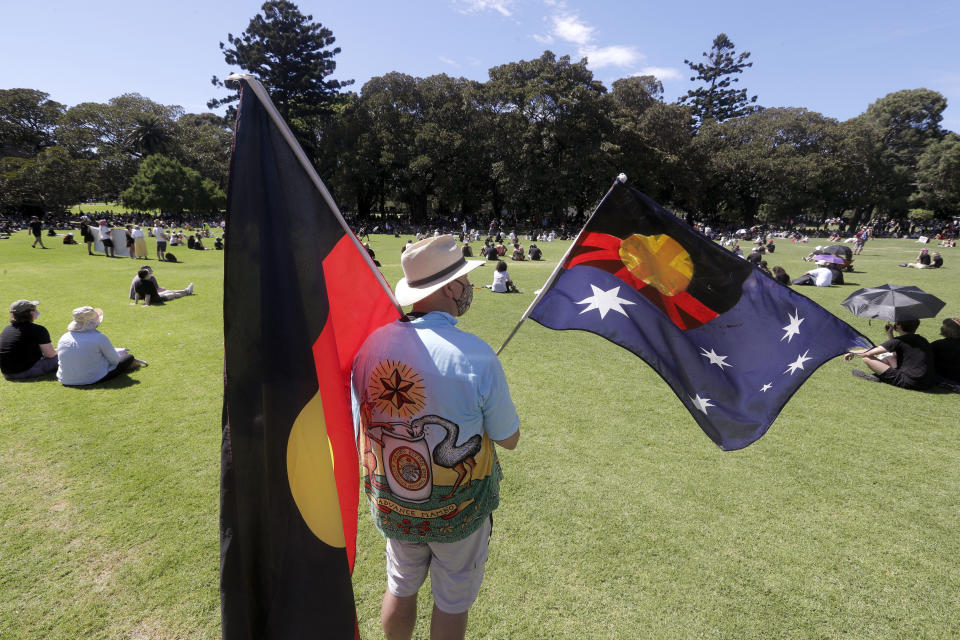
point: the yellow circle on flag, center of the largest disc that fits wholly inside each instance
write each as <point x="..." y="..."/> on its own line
<point x="310" y="474"/>
<point x="659" y="260"/>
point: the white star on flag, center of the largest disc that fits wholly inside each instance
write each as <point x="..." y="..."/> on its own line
<point x="604" y="301"/>
<point x="702" y="403"/>
<point x="793" y="328"/>
<point x="798" y="363"/>
<point x="714" y="358"/>
<point x="766" y="386"/>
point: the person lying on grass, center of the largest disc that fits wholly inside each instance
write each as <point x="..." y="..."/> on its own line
<point x="145" y="288"/>
<point x="904" y="361"/>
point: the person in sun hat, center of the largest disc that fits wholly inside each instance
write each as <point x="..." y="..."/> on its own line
<point x="25" y="348"/>
<point x="429" y="403"/>
<point x="86" y="355"/>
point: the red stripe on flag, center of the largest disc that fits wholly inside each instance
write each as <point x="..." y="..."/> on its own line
<point x="358" y="305"/>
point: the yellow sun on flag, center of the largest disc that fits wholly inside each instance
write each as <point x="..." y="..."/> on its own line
<point x="659" y="260"/>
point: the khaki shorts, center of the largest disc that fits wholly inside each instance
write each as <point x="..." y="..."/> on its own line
<point x="456" y="568"/>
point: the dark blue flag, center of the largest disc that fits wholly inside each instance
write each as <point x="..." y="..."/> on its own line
<point x="731" y="342"/>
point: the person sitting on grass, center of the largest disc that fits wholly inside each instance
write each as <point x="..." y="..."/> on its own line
<point x="517" y="252"/>
<point x="68" y="239"/>
<point x="145" y="288"/>
<point x="534" y="253"/>
<point x="780" y="275"/>
<point x="904" y="361"/>
<point x="86" y="355"/>
<point x="923" y="261"/>
<point x="501" y="280"/>
<point x="25" y="348"/>
<point x="946" y="351"/>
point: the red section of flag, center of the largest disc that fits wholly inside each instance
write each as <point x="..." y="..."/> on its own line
<point x="602" y="251"/>
<point x="358" y="305"/>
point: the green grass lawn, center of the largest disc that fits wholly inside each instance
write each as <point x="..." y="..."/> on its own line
<point x="619" y="517"/>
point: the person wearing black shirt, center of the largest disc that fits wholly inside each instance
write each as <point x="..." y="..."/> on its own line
<point x="910" y="365"/>
<point x="145" y="288"/>
<point x="946" y="351"/>
<point x="37" y="230"/>
<point x="25" y="349"/>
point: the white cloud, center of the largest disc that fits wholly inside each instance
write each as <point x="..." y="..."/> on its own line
<point x="661" y="73"/>
<point x="445" y="60"/>
<point x="476" y="6"/>
<point x="572" y="29"/>
<point x="569" y="27"/>
<point x="614" y="55"/>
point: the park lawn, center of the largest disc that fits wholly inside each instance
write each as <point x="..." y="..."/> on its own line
<point x="619" y="517"/>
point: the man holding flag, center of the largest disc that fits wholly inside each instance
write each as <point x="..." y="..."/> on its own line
<point x="429" y="403"/>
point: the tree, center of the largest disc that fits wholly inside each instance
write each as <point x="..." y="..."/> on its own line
<point x="151" y="134"/>
<point x="165" y="184"/>
<point x="550" y="127"/>
<point x="28" y="119"/>
<point x="651" y="141"/>
<point x="938" y="175"/>
<point x="910" y="120"/>
<point x="778" y="159"/>
<point x="116" y="135"/>
<point x="718" y="100"/>
<point x="202" y="142"/>
<point x="291" y="56"/>
<point x="49" y="182"/>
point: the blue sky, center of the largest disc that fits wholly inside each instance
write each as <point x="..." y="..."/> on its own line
<point x="833" y="57"/>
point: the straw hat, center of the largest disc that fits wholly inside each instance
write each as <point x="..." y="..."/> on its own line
<point x="85" y="319"/>
<point x="430" y="264"/>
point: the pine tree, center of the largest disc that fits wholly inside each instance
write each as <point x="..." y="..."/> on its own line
<point x="717" y="100"/>
<point x="291" y="55"/>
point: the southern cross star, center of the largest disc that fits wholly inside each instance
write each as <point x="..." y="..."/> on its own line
<point x="702" y="403"/>
<point x="793" y="328"/>
<point x="798" y="363"/>
<point x="604" y="301"/>
<point x="766" y="386"/>
<point x="714" y="358"/>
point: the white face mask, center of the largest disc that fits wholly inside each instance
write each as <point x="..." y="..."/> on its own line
<point x="37" y="317"/>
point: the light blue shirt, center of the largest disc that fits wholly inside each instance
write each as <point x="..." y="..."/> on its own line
<point x="85" y="357"/>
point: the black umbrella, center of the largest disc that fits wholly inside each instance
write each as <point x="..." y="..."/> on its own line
<point x="839" y="250"/>
<point x="894" y="303"/>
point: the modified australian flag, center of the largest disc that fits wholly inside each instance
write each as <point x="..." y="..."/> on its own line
<point x="731" y="342"/>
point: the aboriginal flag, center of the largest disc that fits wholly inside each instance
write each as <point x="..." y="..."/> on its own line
<point x="300" y="297"/>
<point x="731" y="342"/>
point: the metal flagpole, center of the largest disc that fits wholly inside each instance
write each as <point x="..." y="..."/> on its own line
<point x="264" y="97"/>
<point x="622" y="179"/>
